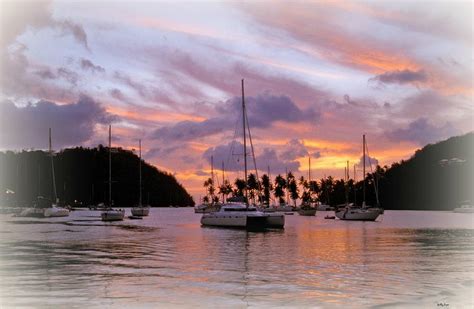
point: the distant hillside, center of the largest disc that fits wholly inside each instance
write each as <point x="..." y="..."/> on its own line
<point x="82" y="175"/>
<point x="437" y="177"/>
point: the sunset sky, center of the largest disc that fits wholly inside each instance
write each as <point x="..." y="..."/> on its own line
<point x="317" y="76"/>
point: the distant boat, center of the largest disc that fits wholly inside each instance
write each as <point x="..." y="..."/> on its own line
<point x="140" y="210"/>
<point x="307" y="210"/>
<point x="363" y="213"/>
<point x="239" y="213"/>
<point x="465" y="207"/>
<point x="45" y="208"/>
<point x="324" y="207"/>
<point x="110" y="214"/>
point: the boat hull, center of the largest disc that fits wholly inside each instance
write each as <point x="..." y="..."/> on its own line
<point x="112" y="215"/>
<point x="358" y="214"/>
<point x="140" y="211"/>
<point x="56" y="212"/>
<point x="275" y="220"/>
<point x="307" y="212"/>
<point x="464" y="210"/>
<point x="32" y="213"/>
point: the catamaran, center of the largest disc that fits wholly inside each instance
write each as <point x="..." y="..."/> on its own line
<point x="237" y="213"/>
<point x="364" y="213"/>
<point x="110" y="214"/>
<point x="140" y="210"/>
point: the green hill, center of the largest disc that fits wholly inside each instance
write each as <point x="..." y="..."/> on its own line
<point x="82" y="175"/>
<point x="437" y="177"/>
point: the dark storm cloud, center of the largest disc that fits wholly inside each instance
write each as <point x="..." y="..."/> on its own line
<point x="72" y="124"/>
<point x="87" y="65"/>
<point x="262" y="110"/>
<point x="422" y="132"/>
<point x="401" y="77"/>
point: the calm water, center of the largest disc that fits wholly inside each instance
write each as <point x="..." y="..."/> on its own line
<point x="408" y="259"/>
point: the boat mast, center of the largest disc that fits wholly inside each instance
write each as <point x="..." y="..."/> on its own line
<point x="212" y="177"/>
<point x="355" y="191"/>
<point x="110" y="166"/>
<point x="245" y="143"/>
<point x="363" y="170"/>
<point x="309" y="169"/>
<point x="223" y="180"/>
<point x="140" y="169"/>
<point x="52" y="168"/>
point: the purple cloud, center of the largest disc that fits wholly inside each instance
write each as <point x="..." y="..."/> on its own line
<point x="232" y="156"/>
<point x="72" y="124"/>
<point x="294" y="149"/>
<point x="262" y="110"/>
<point x="422" y="132"/>
<point x="401" y="77"/>
<point x="75" y="29"/>
<point x="88" y="65"/>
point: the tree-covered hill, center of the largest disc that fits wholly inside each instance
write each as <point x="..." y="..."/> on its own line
<point x="82" y="175"/>
<point x="437" y="177"/>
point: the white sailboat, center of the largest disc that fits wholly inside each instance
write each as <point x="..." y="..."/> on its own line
<point x="110" y="214"/>
<point x="306" y="209"/>
<point x="45" y="208"/>
<point x="363" y="213"/>
<point x="238" y="214"/>
<point x="140" y="210"/>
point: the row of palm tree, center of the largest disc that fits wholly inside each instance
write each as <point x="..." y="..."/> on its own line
<point x="327" y="190"/>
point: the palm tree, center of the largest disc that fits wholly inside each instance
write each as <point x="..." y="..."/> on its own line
<point x="305" y="196"/>
<point x="314" y="189"/>
<point x="293" y="188"/>
<point x="225" y="189"/>
<point x="280" y="186"/>
<point x="267" y="187"/>
<point x="240" y="187"/>
<point x="252" y="186"/>
<point x="209" y="185"/>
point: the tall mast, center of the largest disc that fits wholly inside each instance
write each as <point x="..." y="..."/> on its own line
<point x="245" y="142"/>
<point x="52" y="168"/>
<point x="110" y="166"/>
<point x="212" y="177"/>
<point x="223" y="180"/>
<point x="140" y="169"/>
<point x="355" y="181"/>
<point x="309" y="169"/>
<point x="363" y="170"/>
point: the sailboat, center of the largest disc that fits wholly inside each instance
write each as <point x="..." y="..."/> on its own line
<point x="306" y="209"/>
<point x="237" y="213"/>
<point x="44" y="208"/>
<point x="140" y="210"/>
<point x="363" y="213"/>
<point x="110" y="214"/>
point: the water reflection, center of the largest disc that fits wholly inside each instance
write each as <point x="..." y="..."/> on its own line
<point x="169" y="259"/>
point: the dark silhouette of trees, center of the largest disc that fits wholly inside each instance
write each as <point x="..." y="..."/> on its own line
<point x="82" y="177"/>
<point x="280" y="186"/>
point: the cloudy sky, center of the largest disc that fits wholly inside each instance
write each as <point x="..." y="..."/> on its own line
<point x="317" y="76"/>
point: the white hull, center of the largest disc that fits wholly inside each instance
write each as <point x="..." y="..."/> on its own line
<point x="56" y="212"/>
<point x="240" y="216"/>
<point x="112" y="215"/>
<point x="32" y="213"/>
<point x="464" y="210"/>
<point x="358" y="214"/>
<point x="140" y="211"/>
<point x="307" y="212"/>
